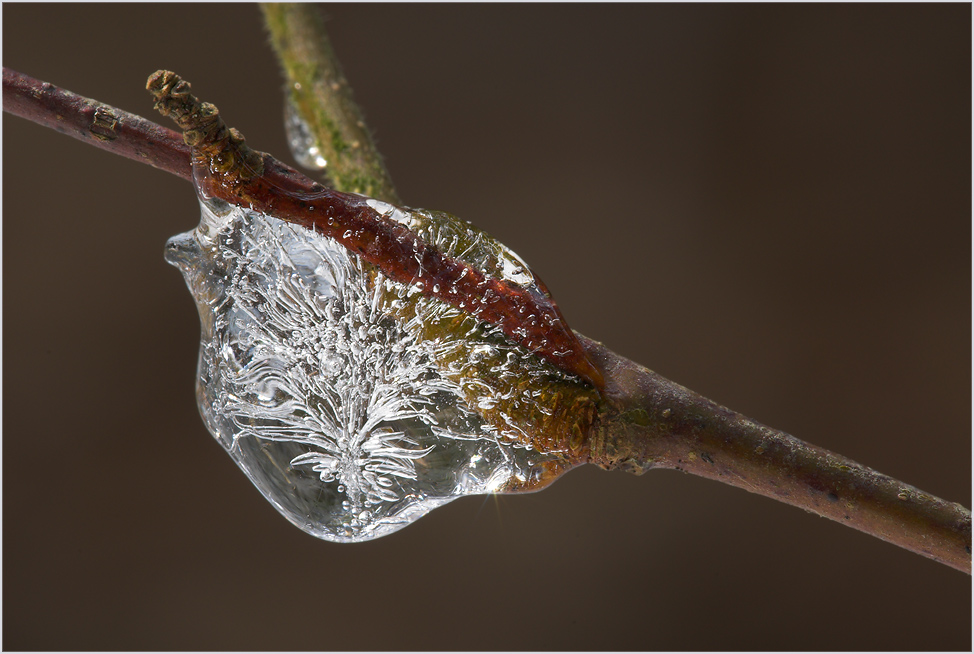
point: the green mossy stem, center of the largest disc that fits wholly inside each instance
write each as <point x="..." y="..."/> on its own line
<point x="321" y="96"/>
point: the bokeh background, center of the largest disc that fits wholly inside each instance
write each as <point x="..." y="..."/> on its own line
<point x="770" y="205"/>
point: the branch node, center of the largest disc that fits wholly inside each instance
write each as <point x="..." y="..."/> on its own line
<point x="222" y="148"/>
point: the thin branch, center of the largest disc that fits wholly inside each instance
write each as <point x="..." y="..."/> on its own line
<point x="649" y="422"/>
<point x="96" y="123"/>
<point x="321" y="97"/>
<point x="644" y="420"/>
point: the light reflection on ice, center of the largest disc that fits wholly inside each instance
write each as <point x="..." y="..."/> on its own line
<point x="353" y="403"/>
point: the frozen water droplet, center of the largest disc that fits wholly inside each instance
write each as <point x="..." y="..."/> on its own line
<point x="355" y="404"/>
<point x="514" y="269"/>
<point x="302" y="142"/>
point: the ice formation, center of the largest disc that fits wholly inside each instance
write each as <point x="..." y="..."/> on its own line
<point x="355" y="404"/>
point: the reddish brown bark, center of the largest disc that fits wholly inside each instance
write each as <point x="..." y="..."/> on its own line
<point x="530" y="319"/>
<point x="226" y="168"/>
<point x="95" y="123"/>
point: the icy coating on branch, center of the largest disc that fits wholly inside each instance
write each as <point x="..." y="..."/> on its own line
<point x="355" y="404"/>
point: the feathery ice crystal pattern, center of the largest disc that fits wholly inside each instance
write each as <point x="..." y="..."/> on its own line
<point x="355" y="404"/>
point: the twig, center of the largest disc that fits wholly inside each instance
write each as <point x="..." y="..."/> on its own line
<point x="649" y="422"/>
<point x="319" y="93"/>
<point x="96" y="123"/>
<point x="644" y="420"/>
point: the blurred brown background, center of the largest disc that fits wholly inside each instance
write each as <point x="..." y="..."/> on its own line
<point x="767" y="204"/>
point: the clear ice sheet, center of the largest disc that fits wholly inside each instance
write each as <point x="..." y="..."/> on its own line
<point x="355" y="404"/>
